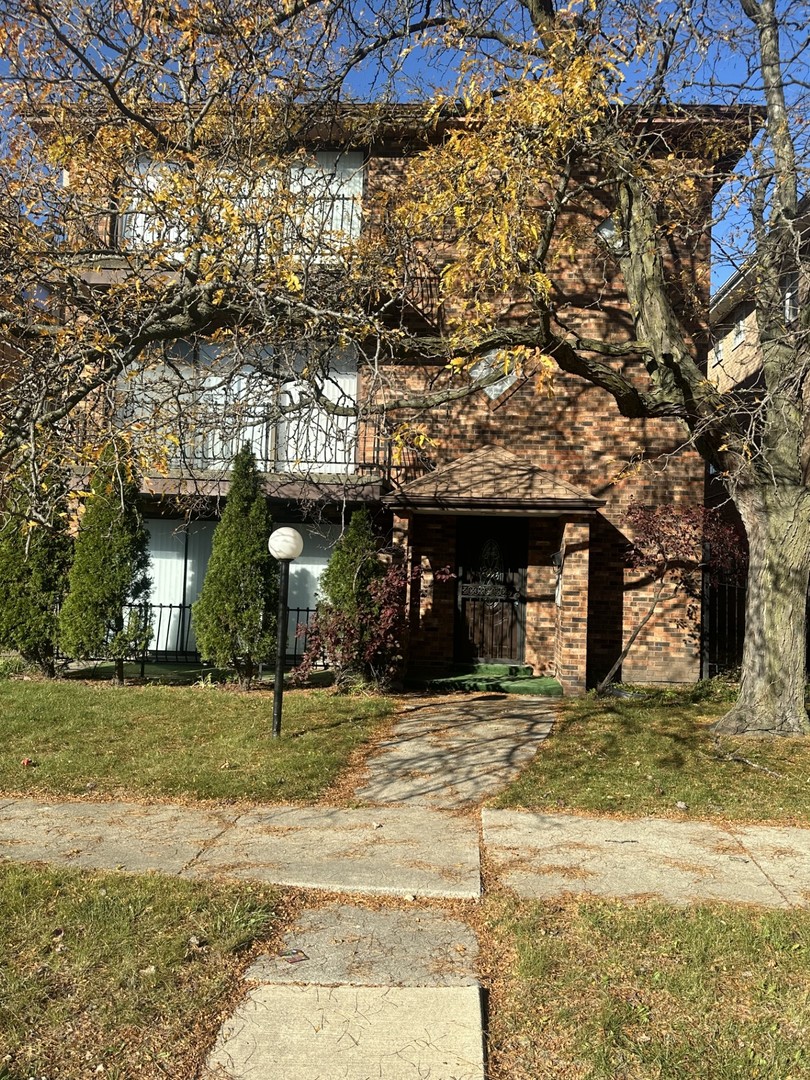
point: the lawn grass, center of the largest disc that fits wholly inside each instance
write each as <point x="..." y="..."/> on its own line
<point x="119" y="975"/>
<point x="638" y="757"/>
<point x="174" y="742"/>
<point x="597" y="990"/>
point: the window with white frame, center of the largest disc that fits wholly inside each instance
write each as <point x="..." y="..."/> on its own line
<point x="739" y="332"/>
<point x="790" y="296"/>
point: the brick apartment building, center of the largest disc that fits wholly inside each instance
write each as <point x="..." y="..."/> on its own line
<point x="519" y="490"/>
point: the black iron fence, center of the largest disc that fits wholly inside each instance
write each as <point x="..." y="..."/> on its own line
<point x="724" y="628"/>
<point x="172" y="634"/>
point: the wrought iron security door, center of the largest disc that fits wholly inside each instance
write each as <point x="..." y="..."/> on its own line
<point x="491" y="597"/>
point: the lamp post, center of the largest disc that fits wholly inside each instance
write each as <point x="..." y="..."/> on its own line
<point x="285" y="545"/>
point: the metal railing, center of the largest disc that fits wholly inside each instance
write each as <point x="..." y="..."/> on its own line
<point x="173" y="639"/>
<point x="723" y="628"/>
<point x="723" y="631"/>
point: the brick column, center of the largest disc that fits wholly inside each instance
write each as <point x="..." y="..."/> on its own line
<point x="541" y="581"/>
<point x="571" y="646"/>
<point x="432" y="609"/>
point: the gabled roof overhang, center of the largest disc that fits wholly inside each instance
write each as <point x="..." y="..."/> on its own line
<point x="492" y="480"/>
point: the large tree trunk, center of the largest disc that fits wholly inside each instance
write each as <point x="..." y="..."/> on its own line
<point x="772" y="685"/>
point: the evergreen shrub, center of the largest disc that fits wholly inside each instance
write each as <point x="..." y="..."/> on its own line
<point x="34" y="564"/>
<point x="235" y="616"/>
<point x="110" y="571"/>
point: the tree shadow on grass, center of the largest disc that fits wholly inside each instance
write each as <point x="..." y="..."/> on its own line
<point x="664" y="725"/>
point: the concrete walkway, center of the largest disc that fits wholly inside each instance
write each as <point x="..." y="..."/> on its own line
<point x="392" y="993"/>
<point x="371" y="993"/>
<point x="458" y="753"/>
<point x="394" y="852"/>
<point x="680" y="862"/>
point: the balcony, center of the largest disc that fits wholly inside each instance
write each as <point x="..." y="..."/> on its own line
<point x="194" y="410"/>
<point x="311" y="209"/>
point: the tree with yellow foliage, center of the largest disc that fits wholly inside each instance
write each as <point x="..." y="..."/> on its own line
<point x="189" y="128"/>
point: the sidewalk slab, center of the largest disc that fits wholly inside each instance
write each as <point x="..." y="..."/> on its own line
<point x="107" y="836"/>
<point x="403" y="852"/>
<point x="355" y="946"/>
<point x="352" y="1033"/>
<point x="544" y="855"/>
<point x="456" y="754"/>
<point x="781" y="853"/>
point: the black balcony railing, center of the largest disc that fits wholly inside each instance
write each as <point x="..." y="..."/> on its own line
<point x="211" y="451"/>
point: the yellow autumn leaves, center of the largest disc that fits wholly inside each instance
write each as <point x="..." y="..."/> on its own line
<point x="489" y="187"/>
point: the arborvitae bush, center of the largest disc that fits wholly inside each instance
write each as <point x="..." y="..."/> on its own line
<point x="353" y="566"/>
<point x="235" y="616"/>
<point x="359" y="623"/>
<point x="34" y="564"/>
<point x="110" y="571"/>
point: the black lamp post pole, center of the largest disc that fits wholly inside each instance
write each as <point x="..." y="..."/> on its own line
<point x="281" y="651"/>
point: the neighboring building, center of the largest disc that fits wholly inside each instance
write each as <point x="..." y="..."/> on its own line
<point x="521" y="494"/>
<point x="735" y="366"/>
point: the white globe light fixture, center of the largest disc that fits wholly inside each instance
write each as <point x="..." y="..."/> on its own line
<point x="285" y="545"/>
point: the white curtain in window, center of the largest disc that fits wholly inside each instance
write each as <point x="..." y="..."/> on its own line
<point x="329" y="189"/>
<point x="306" y="570"/>
<point x="179" y="562"/>
<point x="167" y="548"/>
<point x="312" y="439"/>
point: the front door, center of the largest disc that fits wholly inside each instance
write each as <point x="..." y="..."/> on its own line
<point x="491" y="596"/>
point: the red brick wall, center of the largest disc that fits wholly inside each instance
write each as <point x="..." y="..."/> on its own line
<point x="574" y="431"/>
<point x="578" y="436"/>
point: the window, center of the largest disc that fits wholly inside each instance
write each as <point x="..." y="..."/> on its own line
<point x="154" y="217"/>
<point x="488" y="365"/>
<point x="180" y="557"/>
<point x="203" y="404"/>
<point x="326" y="192"/>
<point x="790" y="296"/>
<point x="717" y="352"/>
<point x="310" y="437"/>
<point x="739" y="332"/>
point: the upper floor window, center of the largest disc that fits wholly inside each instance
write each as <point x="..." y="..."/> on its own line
<point x="717" y="352"/>
<point x="790" y="296"/>
<point x="488" y="367"/>
<point x="739" y="332"/>
<point x="326" y="191"/>
<point x="313" y="210"/>
<point x="157" y="210"/>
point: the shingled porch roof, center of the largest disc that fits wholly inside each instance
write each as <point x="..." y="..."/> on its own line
<point x="492" y="480"/>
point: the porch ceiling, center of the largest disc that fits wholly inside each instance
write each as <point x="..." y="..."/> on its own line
<point x="492" y="480"/>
